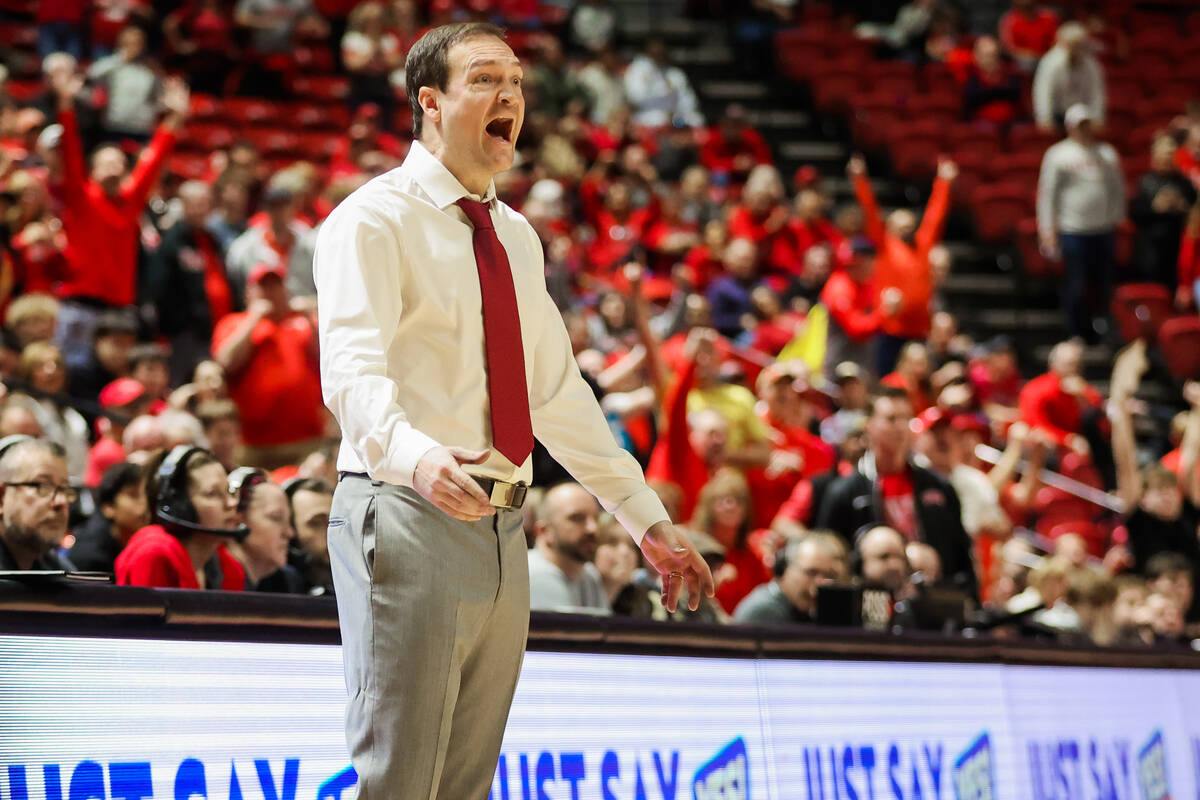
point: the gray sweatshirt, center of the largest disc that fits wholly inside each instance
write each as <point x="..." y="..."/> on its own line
<point x="132" y="94"/>
<point x="1080" y="189"/>
<point x="1058" y="85"/>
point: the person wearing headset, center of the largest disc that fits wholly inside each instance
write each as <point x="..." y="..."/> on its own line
<point x="801" y="567"/>
<point x="193" y="518"/>
<point x="263" y="507"/>
<point x="34" y="502"/>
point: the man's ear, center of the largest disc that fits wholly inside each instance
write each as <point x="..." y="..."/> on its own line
<point x="428" y="100"/>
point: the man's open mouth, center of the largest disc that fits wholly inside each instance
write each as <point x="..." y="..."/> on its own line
<point x="501" y="128"/>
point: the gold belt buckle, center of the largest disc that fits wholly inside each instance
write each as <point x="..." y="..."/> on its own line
<point x="502" y="494"/>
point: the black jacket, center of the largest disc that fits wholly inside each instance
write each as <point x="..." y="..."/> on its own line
<point x="95" y="548"/>
<point x="176" y="284"/>
<point x="854" y="501"/>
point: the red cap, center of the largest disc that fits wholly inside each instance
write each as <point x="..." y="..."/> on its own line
<point x="262" y="270"/>
<point x="972" y="422"/>
<point x="121" y="392"/>
<point x="928" y="419"/>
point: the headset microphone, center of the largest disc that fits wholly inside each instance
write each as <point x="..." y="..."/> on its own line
<point x="238" y="534"/>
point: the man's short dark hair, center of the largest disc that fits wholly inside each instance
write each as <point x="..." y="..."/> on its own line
<point x="885" y="392"/>
<point x="149" y="351"/>
<point x="1167" y="563"/>
<point x="215" y="411"/>
<point x="115" y="321"/>
<point x="428" y="62"/>
<point x="116" y="479"/>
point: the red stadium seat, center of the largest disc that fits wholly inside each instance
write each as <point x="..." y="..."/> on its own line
<point x="796" y="61"/>
<point x="324" y="88"/>
<point x="1036" y="264"/>
<point x="1021" y="166"/>
<point x="1140" y="309"/>
<point x="317" y="116"/>
<point x="208" y="135"/>
<point x="317" y="146"/>
<point x="1179" y="339"/>
<point x="1154" y="71"/>
<point x="1141" y="137"/>
<point x="251" y="111"/>
<point x="192" y="166"/>
<point x="999" y="209"/>
<point x="940" y="106"/>
<point x="205" y="106"/>
<point x="1028" y="137"/>
<point x="832" y="90"/>
<point x="963" y="137"/>
<point x="894" y="77"/>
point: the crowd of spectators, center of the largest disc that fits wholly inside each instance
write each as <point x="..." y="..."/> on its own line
<point x="783" y="365"/>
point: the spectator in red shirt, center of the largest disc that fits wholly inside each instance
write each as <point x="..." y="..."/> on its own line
<point x="122" y="400"/>
<point x="1189" y="262"/>
<point x="774" y="326"/>
<point x="110" y="17"/>
<point x="912" y="375"/>
<point x="903" y="264"/>
<point x="148" y="366"/>
<point x="1027" y="32"/>
<point x="731" y="148"/>
<point x="101" y="214"/>
<point x="762" y="217"/>
<point x="269" y="353"/>
<point x="992" y="92"/>
<point x="811" y="225"/>
<point x="1059" y="402"/>
<point x="170" y="553"/>
<point x="670" y="237"/>
<point x="855" y="310"/>
<point x="724" y="513"/>
<point x="995" y="380"/>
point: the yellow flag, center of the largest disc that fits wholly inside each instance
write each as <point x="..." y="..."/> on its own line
<point x="809" y="343"/>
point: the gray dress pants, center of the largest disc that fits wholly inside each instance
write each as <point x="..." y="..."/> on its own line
<point x="434" y="614"/>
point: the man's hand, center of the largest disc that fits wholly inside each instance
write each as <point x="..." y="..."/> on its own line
<point x="672" y="555"/>
<point x="176" y="99"/>
<point x="1183" y="297"/>
<point x="856" y="167"/>
<point x="1049" y="245"/>
<point x="66" y="87"/>
<point x="440" y="479"/>
<point x="947" y="170"/>
<point x="890" y="300"/>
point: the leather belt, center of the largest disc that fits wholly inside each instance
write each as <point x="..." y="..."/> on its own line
<point x="502" y="494"/>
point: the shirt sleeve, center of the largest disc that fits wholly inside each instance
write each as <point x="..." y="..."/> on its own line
<point x="358" y="305"/>
<point x="1043" y="89"/>
<point x="568" y="421"/>
<point x="1047" y="193"/>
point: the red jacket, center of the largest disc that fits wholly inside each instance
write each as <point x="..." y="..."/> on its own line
<point x="1045" y="405"/>
<point x="853" y="306"/>
<point x="1189" y="257"/>
<point x="717" y="153"/>
<point x="157" y="559"/>
<point x="902" y="266"/>
<point x="102" y="232"/>
<point x="1036" y="33"/>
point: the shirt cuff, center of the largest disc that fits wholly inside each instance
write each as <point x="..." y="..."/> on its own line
<point x="639" y="512"/>
<point x="408" y="448"/>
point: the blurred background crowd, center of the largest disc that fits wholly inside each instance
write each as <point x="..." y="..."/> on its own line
<point x="894" y="302"/>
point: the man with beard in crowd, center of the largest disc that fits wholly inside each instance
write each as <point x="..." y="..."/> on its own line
<point x="562" y="576"/>
<point x="34" y="500"/>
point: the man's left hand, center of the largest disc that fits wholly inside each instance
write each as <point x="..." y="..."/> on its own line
<point x="669" y="551"/>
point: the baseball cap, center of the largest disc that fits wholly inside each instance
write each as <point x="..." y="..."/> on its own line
<point x="929" y="419"/>
<point x="971" y="422"/>
<point x="848" y="371"/>
<point x="1076" y="114"/>
<point x="264" y="269"/>
<point x="121" y="392"/>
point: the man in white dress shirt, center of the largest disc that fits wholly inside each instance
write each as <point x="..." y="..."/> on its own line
<point x="441" y="356"/>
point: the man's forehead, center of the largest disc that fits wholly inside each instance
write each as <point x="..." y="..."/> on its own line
<point x="481" y="51"/>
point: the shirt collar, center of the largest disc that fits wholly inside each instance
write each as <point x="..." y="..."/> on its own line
<point x="437" y="181"/>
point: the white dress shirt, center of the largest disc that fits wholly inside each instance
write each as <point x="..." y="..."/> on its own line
<point x="403" y="367"/>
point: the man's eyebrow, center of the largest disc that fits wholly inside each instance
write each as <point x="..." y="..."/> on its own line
<point x="490" y="62"/>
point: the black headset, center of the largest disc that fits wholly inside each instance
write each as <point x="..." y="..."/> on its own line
<point x="172" y="506"/>
<point x="9" y="442"/>
<point x="242" y="480"/>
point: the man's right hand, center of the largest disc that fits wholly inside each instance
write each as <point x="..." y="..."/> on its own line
<point x="66" y="87"/>
<point x="440" y="479"/>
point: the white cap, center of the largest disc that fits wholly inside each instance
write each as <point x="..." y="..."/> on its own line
<point x="1076" y="114"/>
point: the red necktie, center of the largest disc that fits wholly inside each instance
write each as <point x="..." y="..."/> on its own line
<point x="512" y="433"/>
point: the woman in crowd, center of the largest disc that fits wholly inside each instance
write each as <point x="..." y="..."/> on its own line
<point x="724" y="513"/>
<point x="264" y="552"/>
<point x="194" y="518"/>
